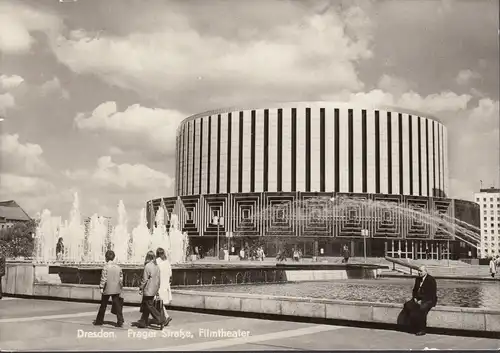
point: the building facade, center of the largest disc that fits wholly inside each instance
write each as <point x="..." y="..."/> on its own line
<point x="237" y="162"/>
<point x="489" y="203"/>
<point x="11" y="213"/>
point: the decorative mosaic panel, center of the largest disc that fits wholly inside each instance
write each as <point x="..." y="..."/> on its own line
<point x="169" y="203"/>
<point x="417" y="218"/>
<point x="386" y="216"/>
<point x="308" y="215"/>
<point x="351" y="215"/>
<point x="443" y="229"/>
<point x="315" y="214"/>
<point x="244" y="209"/>
<point x="279" y="216"/>
<point x="215" y="205"/>
<point x="190" y="215"/>
<point x="151" y="208"/>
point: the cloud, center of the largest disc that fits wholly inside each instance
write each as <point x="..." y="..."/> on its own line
<point x="113" y="150"/>
<point x="182" y="64"/>
<point x="464" y="77"/>
<point x="25" y="174"/>
<point x="124" y="177"/>
<point x="8" y="82"/>
<point x="54" y="86"/>
<point x="18" y="22"/>
<point x="477" y="152"/>
<point x="391" y="84"/>
<point x="6" y="101"/>
<point x="136" y="127"/>
<point x="433" y="103"/>
<point x="486" y="113"/>
<point x="21" y="158"/>
<point x="12" y="184"/>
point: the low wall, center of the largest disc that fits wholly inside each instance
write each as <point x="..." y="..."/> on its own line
<point x="19" y="278"/>
<point x="441" y="317"/>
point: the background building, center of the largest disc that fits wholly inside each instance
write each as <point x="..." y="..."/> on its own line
<point x="11" y="213"/>
<point x="238" y="162"/>
<point x="489" y="203"/>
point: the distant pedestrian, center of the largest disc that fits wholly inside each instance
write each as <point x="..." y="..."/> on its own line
<point x="2" y="272"/>
<point x="493" y="267"/>
<point x="60" y="249"/>
<point x="111" y="286"/>
<point x="346" y="254"/>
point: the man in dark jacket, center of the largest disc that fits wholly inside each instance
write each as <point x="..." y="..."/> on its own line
<point x="2" y="272"/>
<point x="149" y="288"/>
<point x="425" y="295"/>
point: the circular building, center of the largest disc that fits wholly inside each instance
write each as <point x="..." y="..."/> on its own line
<point x="234" y="163"/>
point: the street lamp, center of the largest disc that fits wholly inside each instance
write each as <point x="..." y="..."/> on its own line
<point x="218" y="221"/>
<point x="364" y="233"/>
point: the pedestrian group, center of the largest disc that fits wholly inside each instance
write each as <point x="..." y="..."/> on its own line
<point x="154" y="289"/>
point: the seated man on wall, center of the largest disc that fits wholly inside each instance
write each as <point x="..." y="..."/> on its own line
<point x="2" y="272"/>
<point x="425" y="296"/>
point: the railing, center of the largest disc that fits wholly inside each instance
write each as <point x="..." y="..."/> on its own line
<point x="402" y="263"/>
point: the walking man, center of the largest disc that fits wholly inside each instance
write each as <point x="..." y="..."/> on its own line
<point x="111" y="286"/>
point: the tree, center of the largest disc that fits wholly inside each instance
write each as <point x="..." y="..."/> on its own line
<point x="18" y="240"/>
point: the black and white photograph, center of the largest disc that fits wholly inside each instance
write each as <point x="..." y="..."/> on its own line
<point x="249" y="175"/>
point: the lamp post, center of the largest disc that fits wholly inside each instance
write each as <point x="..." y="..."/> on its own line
<point x="448" y="250"/>
<point x="217" y="221"/>
<point x="364" y="233"/>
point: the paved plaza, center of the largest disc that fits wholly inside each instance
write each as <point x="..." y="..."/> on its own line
<point x="30" y="324"/>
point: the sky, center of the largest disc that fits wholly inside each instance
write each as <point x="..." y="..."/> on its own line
<point x="92" y="91"/>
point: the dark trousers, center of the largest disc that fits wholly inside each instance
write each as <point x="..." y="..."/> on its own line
<point x="104" y="305"/>
<point x="1" y="287"/>
<point x="149" y="308"/>
<point x="418" y="316"/>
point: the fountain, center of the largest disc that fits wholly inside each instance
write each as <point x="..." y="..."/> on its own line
<point x="178" y="240"/>
<point x="88" y="246"/>
<point x="120" y="237"/>
<point x="96" y="239"/>
<point x="160" y="237"/>
<point x="74" y="236"/>
<point x="46" y="236"/>
<point x="140" y="239"/>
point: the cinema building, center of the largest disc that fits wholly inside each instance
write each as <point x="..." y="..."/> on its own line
<point x="235" y="163"/>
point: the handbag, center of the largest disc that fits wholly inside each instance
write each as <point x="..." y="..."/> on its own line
<point x="113" y="306"/>
<point x="158" y="304"/>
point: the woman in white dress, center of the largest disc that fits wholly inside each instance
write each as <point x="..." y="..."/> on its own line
<point x="493" y="267"/>
<point x="165" y="274"/>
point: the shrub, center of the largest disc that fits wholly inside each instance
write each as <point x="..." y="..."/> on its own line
<point x="17" y="240"/>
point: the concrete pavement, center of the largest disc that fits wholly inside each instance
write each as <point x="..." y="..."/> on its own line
<point x="29" y="324"/>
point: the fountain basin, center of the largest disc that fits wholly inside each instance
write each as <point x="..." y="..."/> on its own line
<point x="228" y="273"/>
<point x="21" y="276"/>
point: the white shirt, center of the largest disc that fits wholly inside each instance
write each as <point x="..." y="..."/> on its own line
<point x="423" y="279"/>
